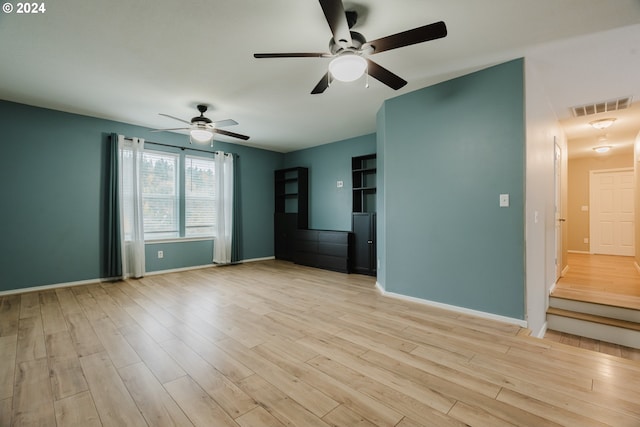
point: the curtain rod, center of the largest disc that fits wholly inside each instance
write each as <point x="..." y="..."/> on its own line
<point x="181" y="148"/>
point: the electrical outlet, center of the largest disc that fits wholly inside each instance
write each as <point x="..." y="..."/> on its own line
<point x="586" y="240"/>
<point x="504" y="200"/>
<point x="340" y="184"/>
<point x="160" y="254"/>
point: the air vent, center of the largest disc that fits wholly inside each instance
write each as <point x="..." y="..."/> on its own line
<point x="601" y="107"/>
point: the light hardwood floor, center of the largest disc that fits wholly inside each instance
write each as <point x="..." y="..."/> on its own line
<point x="275" y="344"/>
<point x="610" y="279"/>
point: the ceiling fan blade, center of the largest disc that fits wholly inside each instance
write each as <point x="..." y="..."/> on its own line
<point x="163" y="130"/>
<point x="337" y="20"/>
<point x="231" y="134"/>
<point x="385" y="76"/>
<point x="293" y="55"/>
<point x="322" y="85"/>
<point x="175" y="118"/>
<point x="417" y="35"/>
<point x="223" y="123"/>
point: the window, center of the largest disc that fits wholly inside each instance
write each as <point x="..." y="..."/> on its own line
<point x="160" y="197"/>
<point x="200" y="196"/>
<point x="178" y="194"/>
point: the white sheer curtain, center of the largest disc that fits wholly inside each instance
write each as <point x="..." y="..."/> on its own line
<point x="130" y="193"/>
<point x="224" y="207"/>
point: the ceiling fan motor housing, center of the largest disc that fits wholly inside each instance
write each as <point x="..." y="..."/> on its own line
<point x="357" y="40"/>
<point x="201" y="118"/>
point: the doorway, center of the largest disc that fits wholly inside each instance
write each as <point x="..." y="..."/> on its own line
<point x="606" y="269"/>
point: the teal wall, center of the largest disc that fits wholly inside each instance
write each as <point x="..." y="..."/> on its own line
<point x="53" y="180"/>
<point x="329" y="206"/>
<point x="448" y="151"/>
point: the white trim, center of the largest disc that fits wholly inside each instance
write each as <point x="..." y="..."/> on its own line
<point x="266" y="258"/>
<point x="112" y="279"/>
<point x="200" y="267"/>
<point x="179" y="240"/>
<point x="177" y="270"/>
<point x="482" y="314"/>
<point x="579" y="252"/>
<point x="380" y="287"/>
<point x="56" y="286"/>
<point x="543" y="331"/>
<point x="565" y="270"/>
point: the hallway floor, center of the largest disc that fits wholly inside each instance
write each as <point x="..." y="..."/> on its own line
<point x="605" y="279"/>
<point x="602" y="279"/>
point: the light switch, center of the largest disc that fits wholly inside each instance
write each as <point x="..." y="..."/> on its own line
<point x="504" y="200"/>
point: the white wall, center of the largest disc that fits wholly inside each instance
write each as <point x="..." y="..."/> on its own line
<point x="636" y="168"/>
<point x="542" y="132"/>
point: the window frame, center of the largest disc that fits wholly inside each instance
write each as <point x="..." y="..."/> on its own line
<point x="164" y="235"/>
<point x="181" y="154"/>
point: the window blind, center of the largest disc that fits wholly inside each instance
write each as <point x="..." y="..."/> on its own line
<point x="200" y="196"/>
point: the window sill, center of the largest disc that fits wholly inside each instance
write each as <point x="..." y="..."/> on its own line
<point x="177" y="240"/>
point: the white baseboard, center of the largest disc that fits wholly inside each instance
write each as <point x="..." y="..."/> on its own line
<point x="380" y="287"/>
<point x="112" y="279"/>
<point x="56" y="286"/>
<point x="267" y="258"/>
<point x="178" y="270"/>
<point x="542" y="332"/>
<point x="454" y="308"/>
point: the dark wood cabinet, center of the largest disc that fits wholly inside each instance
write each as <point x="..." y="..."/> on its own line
<point x="285" y="227"/>
<point x="364" y="243"/>
<point x="291" y="191"/>
<point x="363" y="219"/>
<point x="327" y="249"/>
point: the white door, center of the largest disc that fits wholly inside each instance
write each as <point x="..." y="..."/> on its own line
<point x="612" y="222"/>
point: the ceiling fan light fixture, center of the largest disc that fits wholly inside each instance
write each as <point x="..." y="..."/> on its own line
<point x="602" y="123"/>
<point x="602" y="149"/>
<point x="201" y="135"/>
<point x="347" y="67"/>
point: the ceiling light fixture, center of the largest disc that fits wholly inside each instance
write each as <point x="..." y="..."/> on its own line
<point x="201" y="135"/>
<point x="602" y="123"/>
<point x="602" y="149"/>
<point x="347" y="67"/>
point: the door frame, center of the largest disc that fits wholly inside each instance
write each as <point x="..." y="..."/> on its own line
<point x="559" y="220"/>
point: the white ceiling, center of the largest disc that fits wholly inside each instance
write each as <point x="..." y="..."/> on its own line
<point x="129" y="61"/>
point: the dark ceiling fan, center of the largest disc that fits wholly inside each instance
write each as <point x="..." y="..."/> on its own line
<point x="351" y="49"/>
<point x="201" y="128"/>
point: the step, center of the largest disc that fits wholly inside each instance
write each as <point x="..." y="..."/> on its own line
<point x="594" y="308"/>
<point x="617" y="331"/>
<point x="598" y="297"/>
